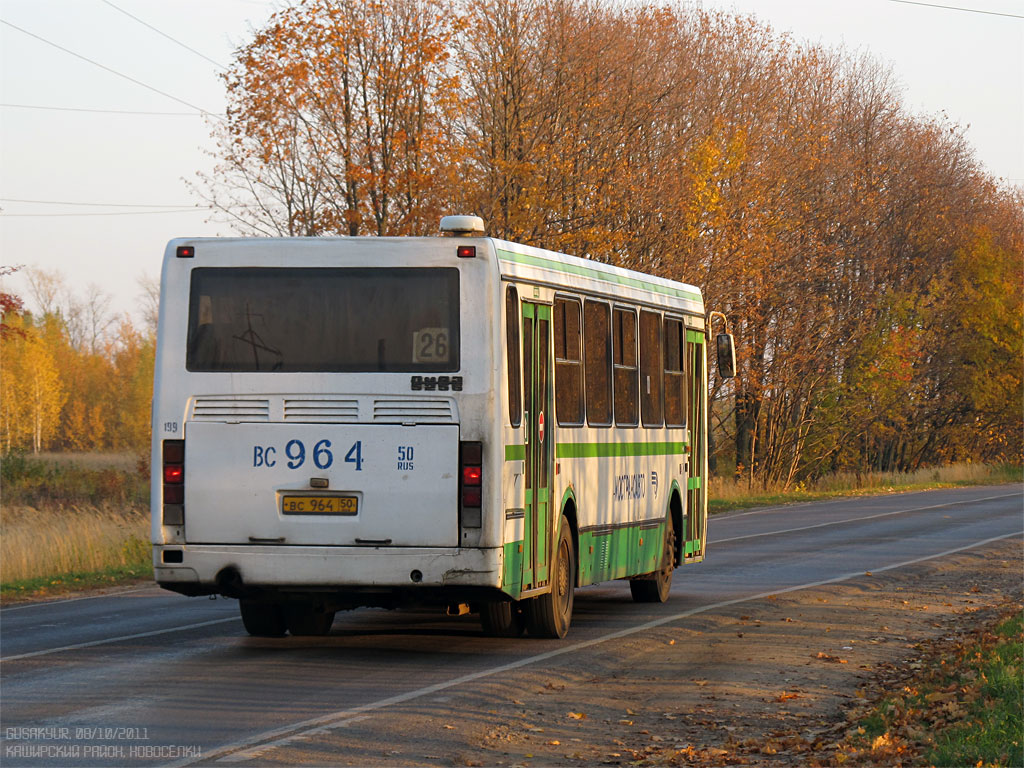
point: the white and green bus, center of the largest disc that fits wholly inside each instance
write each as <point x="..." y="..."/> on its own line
<point x="455" y="420"/>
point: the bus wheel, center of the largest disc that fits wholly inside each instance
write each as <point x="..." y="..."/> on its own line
<point x="655" y="587"/>
<point x="263" y="619"/>
<point x="502" y="619"/>
<point x="305" y="621"/>
<point x="549" y="615"/>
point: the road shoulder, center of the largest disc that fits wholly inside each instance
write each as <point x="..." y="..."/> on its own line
<point x="756" y="682"/>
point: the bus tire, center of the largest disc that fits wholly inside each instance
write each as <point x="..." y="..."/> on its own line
<point x="655" y="587"/>
<point x="550" y="615"/>
<point x="502" y="619"/>
<point x="263" y="619"/>
<point x="305" y="621"/>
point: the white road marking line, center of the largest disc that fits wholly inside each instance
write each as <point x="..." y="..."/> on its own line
<point x="253" y="753"/>
<point x="253" y="746"/>
<point x="726" y="516"/>
<point x="855" y="519"/>
<point x="76" y="599"/>
<point x="105" y="641"/>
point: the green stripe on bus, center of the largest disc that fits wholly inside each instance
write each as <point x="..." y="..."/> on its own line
<point x="693" y="482"/>
<point x="606" y="450"/>
<point x="695" y="337"/>
<point x="515" y="453"/>
<point x="595" y="274"/>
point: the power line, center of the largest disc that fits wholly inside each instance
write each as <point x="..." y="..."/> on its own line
<point x="957" y="8"/>
<point x="109" y="111"/>
<point x="99" y="205"/>
<point x="114" y="213"/>
<point x="160" y="32"/>
<point x="108" y="69"/>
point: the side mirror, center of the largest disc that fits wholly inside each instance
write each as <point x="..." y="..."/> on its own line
<point x="726" y="355"/>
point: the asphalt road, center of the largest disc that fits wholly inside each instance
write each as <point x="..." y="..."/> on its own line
<point x="146" y="677"/>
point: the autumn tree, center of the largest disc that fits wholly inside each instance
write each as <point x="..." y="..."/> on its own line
<point x="31" y="391"/>
<point x="11" y="305"/>
<point x="67" y="385"/>
<point x="338" y="120"/>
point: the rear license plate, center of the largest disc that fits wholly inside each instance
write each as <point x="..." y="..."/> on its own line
<point x="319" y="505"/>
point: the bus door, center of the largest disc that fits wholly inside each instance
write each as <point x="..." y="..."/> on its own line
<point x="537" y="430"/>
<point x="696" y="494"/>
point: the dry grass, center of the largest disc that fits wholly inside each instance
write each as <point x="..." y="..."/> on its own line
<point x="64" y="481"/>
<point x="39" y="543"/>
<point x="125" y="461"/>
<point x="729" y="489"/>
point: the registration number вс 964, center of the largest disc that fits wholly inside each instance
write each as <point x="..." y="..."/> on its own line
<point x="319" y="505"/>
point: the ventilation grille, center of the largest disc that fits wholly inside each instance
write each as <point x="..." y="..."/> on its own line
<point x="420" y="411"/>
<point x="331" y="410"/>
<point x="230" y="409"/>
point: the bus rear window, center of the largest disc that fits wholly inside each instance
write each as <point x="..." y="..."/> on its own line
<point x="323" y="320"/>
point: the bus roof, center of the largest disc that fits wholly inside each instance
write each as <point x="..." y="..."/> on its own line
<point x="525" y="262"/>
<point x="515" y="261"/>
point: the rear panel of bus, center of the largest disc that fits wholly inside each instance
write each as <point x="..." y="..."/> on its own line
<point x="321" y="414"/>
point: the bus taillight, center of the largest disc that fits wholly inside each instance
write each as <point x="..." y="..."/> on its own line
<point x="174" y="482"/>
<point x="471" y="477"/>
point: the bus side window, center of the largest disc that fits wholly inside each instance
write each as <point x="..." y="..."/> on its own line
<point x="568" y="364"/>
<point x="651" y="369"/>
<point x="626" y="379"/>
<point x="515" y="398"/>
<point x="675" y="379"/>
<point x="598" y="351"/>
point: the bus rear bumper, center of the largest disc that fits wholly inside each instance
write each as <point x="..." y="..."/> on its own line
<point x="213" y="569"/>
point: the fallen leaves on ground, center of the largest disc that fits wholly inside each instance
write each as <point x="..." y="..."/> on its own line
<point x="829" y="657"/>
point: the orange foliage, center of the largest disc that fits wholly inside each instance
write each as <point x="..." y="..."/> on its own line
<point x="87" y="393"/>
<point x="870" y="267"/>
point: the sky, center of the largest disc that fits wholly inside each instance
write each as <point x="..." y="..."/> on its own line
<point x="94" y="159"/>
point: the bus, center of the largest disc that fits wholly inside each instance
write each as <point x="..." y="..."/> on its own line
<point x="457" y="421"/>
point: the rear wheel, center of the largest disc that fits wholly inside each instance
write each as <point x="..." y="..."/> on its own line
<point x="263" y="619"/>
<point x="655" y="587"/>
<point x="305" y="621"/>
<point x="550" y="615"/>
<point x="502" y="619"/>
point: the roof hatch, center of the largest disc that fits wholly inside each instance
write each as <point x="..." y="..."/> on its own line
<point x="465" y="226"/>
